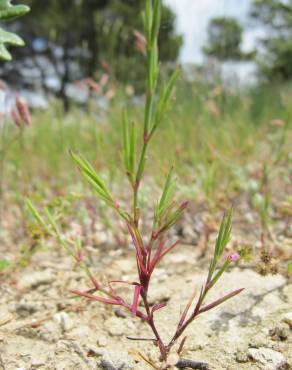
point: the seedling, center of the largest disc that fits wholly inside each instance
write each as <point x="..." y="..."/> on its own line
<point x="149" y="254"/>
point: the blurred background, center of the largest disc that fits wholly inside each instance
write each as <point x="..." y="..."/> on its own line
<point x="242" y="42"/>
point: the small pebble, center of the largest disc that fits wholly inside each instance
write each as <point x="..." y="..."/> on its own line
<point x="241" y="356"/>
<point x="287" y="318"/>
<point x="35" y="279"/>
<point x="64" y="320"/>
<point x="272" y="360"/>
<point x="115" y="360"/>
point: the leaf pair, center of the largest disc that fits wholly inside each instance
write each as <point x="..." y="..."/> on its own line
<point x="164" y="100"/>
<point x="151" y="19"/>
<point x="221" y="243"/>
<point x="165" y="199"/>
<point x="167" y="212"/>
<point x="95" y="181"/>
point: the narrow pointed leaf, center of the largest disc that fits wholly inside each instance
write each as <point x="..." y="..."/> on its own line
<point x="219" y="274"/>
<point x="36" y="215"/>
<point x="157" y="307"/>
<point x="96" y="298"/>
<point x="88" y="170"/>
<point x="220" y="301"/>
<point x="186" y="310"/>
<point x="166" y="195"/>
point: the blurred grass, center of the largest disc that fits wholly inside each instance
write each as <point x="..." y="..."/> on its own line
<point x="212" y="135"/>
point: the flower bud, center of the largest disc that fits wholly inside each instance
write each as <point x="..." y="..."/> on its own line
<point x="183" y="205"/>
<point x="15" y="118"/>
<point x="23" y="110"/>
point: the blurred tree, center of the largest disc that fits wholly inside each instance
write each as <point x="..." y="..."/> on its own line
<point x="275" y="62"/>
<point x="77" y="36"/>
<point x="66" y="34"/>
<point x="225" y="39"/>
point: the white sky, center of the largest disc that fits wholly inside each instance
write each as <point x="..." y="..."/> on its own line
<point x="193" y="17"/>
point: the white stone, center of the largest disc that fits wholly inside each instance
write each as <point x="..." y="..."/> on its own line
<point x="64" y="320"/>
<point x="117" y="360"/>
<point x="267" y="357"/>
<point x="287" y="318"/>
<point x="35" y="279"/>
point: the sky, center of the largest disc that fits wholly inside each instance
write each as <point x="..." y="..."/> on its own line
<point x="192" y="21"/>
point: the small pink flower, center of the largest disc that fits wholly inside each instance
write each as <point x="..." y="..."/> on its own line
<point x="233" y="257"/>
<point x="78" y="232"/>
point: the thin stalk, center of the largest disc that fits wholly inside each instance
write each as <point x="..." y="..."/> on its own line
<point x="151" y="323"/>
<point x="137" y="183"/>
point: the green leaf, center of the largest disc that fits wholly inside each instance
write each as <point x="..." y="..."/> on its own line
<point x="148" y="18"/>
<point x="9" y="11"/>
<point x="8" y="38"/>
<point x="219" y="274"/>
<point x="164" y="99"/>
<point x="166" y="195"/>
<point x="88" y="170"/>
<point x="172" y="216"/>
<point x="51" y="221"/>
<point x="221" y="242"/>
<point x="129" y="146"/>
<point x="35" y="214"/>
<point x="156" y="20"/>
<point x="94" y="180"/>
<point x="224" y="234"/>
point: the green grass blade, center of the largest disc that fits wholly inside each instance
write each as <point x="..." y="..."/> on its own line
<point x="35" y="214"/>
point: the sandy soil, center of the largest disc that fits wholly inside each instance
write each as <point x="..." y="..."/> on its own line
<point x="43" y="326"/>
